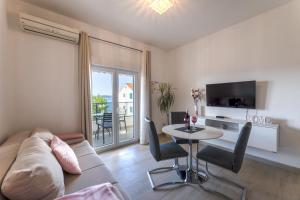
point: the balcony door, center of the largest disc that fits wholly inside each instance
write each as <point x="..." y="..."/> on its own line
<point x="114" y="107"/>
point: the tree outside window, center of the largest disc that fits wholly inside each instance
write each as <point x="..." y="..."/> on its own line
<point x="99" y="104"/>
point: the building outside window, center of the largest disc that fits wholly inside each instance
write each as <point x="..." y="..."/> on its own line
<point x="126" y="99"/>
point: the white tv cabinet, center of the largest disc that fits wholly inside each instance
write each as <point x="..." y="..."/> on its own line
<point x="265" y="137"/>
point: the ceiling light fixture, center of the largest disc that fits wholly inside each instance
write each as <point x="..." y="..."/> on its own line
<point x="161" y="6"/>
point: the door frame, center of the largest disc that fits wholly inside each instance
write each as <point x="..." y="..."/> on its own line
<point x="115" y="71"/>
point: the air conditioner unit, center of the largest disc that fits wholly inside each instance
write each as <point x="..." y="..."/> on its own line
<point x="44" y="27"/>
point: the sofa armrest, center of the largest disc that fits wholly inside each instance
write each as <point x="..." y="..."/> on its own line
<point x="71" y="138"/>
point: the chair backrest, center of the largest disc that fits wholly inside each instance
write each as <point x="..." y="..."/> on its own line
<point x="107" y="117"/>
<point x="240" y="147"/>
<point x="177" y="117"/>
<point x="153" y="139"/>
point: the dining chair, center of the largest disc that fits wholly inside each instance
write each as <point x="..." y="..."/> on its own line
<point x="178" y="118"/>
<point x="162" y="152"/>
<point x="227" y="159"/>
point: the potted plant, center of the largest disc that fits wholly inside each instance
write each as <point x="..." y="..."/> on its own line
<point x="166" y="98"/>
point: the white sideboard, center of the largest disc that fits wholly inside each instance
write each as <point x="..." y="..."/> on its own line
<point x="265" y="137"/>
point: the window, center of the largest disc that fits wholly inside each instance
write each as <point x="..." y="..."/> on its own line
<point x="130" y="95"/>
<point x="131" y="109"/>
<point x="124" y="95"/>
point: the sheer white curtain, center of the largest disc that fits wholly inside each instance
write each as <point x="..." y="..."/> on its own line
<point x="85" y="85"/>
<point x="110" y="55"/>
<point x="145" y="100"/>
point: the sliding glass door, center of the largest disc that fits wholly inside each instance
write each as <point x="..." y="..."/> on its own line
<point x="126" y="105"/>
<point x="114" y="107"/>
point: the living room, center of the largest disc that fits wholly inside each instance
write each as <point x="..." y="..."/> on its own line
<point x="89" y="73"/>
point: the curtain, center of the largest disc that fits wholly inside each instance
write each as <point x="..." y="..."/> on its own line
<point x="110" y="55"/>
<point x="145" y="100"/>
<point x="85" y="86"/>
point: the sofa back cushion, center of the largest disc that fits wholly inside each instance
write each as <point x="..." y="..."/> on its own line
<point x="35" y="174"/>
<point x="43" y="134"/>
<point x="9" y="150"/>
<point x="17" y="138"/>
<point x="8" y="153"/>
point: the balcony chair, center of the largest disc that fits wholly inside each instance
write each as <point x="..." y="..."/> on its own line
<point x="227" y="159"/>
<point x="162" y="152"/>
<point x="122" y="119"/>
<point x="105" y="123"/>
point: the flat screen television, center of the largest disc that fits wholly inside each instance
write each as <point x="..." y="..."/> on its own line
<point x="232" y="95"/>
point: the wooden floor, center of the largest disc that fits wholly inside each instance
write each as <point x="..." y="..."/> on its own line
<point x="264" y="182"/>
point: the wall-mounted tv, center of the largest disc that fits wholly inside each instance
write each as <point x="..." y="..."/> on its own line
<point x="232" y="95"/>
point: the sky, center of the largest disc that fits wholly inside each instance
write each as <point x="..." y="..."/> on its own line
<point x="102" y="82"/>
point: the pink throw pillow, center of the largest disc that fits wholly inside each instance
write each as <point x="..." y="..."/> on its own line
<point x="65" y="156"/>
<point x="105" y="191"/>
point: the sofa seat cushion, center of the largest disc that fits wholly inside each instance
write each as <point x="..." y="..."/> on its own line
<point x="35" y="174"/>
<point x="93" y="176"/>
<point x="89" y="161"/>
<point x="82" y="149"/>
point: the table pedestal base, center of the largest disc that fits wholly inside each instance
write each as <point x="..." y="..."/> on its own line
<point x="193" y="177"/>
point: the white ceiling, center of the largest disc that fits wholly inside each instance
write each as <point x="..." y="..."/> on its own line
<point x="184" y="22"/>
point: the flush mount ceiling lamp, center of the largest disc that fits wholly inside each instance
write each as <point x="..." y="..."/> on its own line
<point x="161" y="6"/>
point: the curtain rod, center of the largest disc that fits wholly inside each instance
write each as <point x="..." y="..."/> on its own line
<point x="127" y="47"/>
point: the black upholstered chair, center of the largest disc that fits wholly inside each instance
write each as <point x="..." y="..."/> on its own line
<point x="227" y="159"/>
<point x="162" y="152"/>
<point x="178" y="118"/>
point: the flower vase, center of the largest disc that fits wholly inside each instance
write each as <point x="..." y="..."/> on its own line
<point x="196" y="109"/>
<point x="202" y="111"/>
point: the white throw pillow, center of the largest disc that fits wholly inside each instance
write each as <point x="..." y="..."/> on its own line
<point x="35" y="174"/>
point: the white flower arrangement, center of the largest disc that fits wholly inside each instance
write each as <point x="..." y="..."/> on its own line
<point x="198" y="96"/>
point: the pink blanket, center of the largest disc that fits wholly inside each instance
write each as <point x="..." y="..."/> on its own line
<point x="105" y="191"/>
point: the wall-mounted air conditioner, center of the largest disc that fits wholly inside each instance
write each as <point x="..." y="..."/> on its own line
<point x="44" y="27"/>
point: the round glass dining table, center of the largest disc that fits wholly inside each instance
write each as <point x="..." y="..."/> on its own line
<point x="195" y="133"/>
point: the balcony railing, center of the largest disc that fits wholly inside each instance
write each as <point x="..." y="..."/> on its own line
<point x="124" y="108"/>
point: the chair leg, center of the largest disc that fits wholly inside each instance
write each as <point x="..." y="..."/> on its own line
<point x="103" y="135"/>
<point x="197" y="160"/>
<point x="125" y="124"/>
<point x="161" y="170"/>
<point x="176" y="162"/>
<point x="244" y="190"/>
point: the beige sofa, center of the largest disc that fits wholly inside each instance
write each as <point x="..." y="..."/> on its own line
<point x="93" y="168"/>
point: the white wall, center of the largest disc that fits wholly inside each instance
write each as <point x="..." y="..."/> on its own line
<point x="159" y="73"/>
<point x="265" y="48"/>
<point x="46" y="71"/>
<point x="4" y="75"/>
